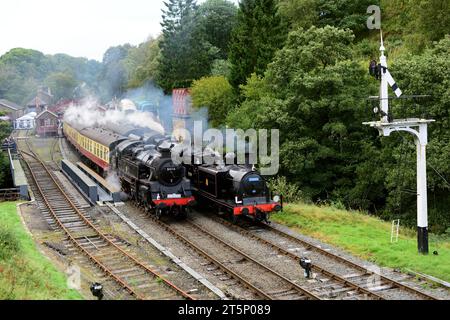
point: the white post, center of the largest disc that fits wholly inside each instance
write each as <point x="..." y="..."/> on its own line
<point x="384" y="90"/>
<point x="422" y="202"/>
<point x="386" y="127"/>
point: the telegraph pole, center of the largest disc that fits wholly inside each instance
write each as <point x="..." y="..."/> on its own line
<point x="419" y="129"/>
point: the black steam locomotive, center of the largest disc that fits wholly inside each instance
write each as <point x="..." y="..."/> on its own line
<point x="150" y="177"/>
<point x="238" y="190"/>
<point x="141" y="158"/>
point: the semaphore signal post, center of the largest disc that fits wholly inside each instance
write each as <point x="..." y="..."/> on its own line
<point x="415" y="126"/>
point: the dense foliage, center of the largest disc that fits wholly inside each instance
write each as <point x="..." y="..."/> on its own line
<point x="344" y="14"/>
<point x="216" y="19"/>
<point x="259" y="32"/>
<point x="310" y="92"/>
<point x="5" y="177"/>
<point x="400" y="175"/>
<point x="22" y="71"/>
<point x="186" y="54"/>
<point x="142" y="63"/>
<point x="314" y="89"/>
<point x="216" y="94"/>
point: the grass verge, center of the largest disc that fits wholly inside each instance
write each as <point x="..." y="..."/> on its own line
<point x="368" y="238"/>
<point x="24" y="272"/>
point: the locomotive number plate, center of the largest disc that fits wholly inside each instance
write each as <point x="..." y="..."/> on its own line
<point x="174" y="196"/>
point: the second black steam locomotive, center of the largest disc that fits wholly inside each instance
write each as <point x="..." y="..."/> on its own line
<point x="237" y="190"/>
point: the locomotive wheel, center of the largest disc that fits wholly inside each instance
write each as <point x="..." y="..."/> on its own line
<point x="233" y="218"/>
<point x="158" y="213"/>
<point x="182" y="213"/>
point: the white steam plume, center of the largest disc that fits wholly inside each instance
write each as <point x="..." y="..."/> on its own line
<point x="88" y="115"/>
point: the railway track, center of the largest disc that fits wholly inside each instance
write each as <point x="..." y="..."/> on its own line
<point x="359" y="279"/>
<point x="105" y="251"/>
<point x="265" y="282"/>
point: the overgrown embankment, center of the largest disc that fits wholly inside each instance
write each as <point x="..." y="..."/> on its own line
<point x="368" y="237"/>
<point x="24" y="272"/>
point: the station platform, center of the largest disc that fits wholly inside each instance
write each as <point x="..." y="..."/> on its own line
<point x="82" y="181"/>
<point x="92" y="185"/>
<point x="106" y="189"/>
<point x="18" y="175"/>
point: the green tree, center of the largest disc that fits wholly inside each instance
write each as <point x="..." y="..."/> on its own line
<point x="185" y="54"/>
<point x="221" y="68"/>
<point x="113" y="78"/>
<point x="5" y="179"/>
<point x="142" y="63"/>
<point x="22" y="71"/>
<point x="216" y="19"/>
<point x="81" y="69"/>
<point x="343" y="14"/>
<point x="399" y="153"/>
<point x="62" y="84"/>
<point x="310" y="93"/>
<point x="216" y="94"/>
<point x="299" y="13"/>
<point x="257" y="36"/>
<point x="5" y="129"/>
<point x="433" y="18"/>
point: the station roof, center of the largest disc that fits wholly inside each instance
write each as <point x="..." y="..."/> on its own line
<point x="10" y="105"/>
<point x="37" y="101"/>
<point x="28" y="116"/>
<point x="44" y="112"/>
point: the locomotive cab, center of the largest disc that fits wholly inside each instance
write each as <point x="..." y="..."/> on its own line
<point x="249" y="186"/>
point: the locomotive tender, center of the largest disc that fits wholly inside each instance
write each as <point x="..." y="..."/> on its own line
<point x="143" y="165"/>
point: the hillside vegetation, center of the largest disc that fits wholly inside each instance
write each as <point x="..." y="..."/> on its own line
<point x="24" y="272"/>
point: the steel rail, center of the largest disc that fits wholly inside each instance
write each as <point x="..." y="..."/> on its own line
<point x="297" y="258"/>
<point x="224" y="268"/>
<point x="294" y="285"/>
<point x="343" y="260"/>
<point x="100" y="233"/>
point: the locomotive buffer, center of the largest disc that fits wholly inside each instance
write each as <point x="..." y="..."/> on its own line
<point x="419" y="129"/>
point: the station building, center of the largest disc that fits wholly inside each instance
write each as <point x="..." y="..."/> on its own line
<point x="43" y="99"/>
<point x="47" y="123"/>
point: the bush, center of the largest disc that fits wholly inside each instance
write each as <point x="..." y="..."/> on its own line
<point x="290" y="192"/>
<point x="216" y="94"/>
<point x="9" y="244"/>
